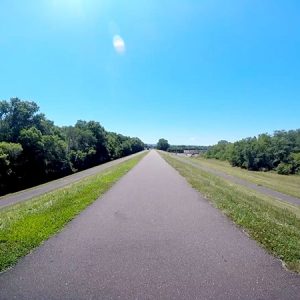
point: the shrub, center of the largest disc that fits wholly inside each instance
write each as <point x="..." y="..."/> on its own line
<point x="284" y="169"/>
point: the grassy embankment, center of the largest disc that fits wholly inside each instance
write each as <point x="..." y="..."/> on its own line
<point x="26" y="225"/>
<point x="274" y="224"/>
<point x="289" y="185"/>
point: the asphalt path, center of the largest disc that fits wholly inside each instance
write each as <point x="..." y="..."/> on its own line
<point x="150" y="237"/>
<point x="253" y="186"/>
<point x="56" y="184"/>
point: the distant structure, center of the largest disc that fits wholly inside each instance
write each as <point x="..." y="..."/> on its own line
<point x="188" y="149"/>
<point x="150" y="146"/>
<point x="191" y="152"/>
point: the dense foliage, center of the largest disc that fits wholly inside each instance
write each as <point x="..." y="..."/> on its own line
<point x="280" y="152"/>
<point x="162" y="144"/>
<point x="33" y="150"/>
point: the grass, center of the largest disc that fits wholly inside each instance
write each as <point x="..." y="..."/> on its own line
<point x="289" y="185"/>
<point x="24" y="226"/>
<point x="274" y="224"/>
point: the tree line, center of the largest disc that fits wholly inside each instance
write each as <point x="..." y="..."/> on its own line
<point x="33" y="150"/>
<point x="164" y="145"/>
<point x="279" y="152"/>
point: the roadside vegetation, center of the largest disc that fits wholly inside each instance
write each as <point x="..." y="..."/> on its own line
<point x="279" y="152"/>
<point x="289" y="185"/>
<point x="274" y="224"/>
<point x="26" y="225"/>
<point x="33" y="150"/>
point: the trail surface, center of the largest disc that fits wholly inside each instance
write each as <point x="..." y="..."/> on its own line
<point x="56" y="184"/>
<point x="150" y="237"/>
<point x="253" y="186"/>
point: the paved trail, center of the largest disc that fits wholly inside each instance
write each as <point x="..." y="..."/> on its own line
<point x="28" y="194"/>
<point x="150" y="237"/>
<point x="253" y="186"/>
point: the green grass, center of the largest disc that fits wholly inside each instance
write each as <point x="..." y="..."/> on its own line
<point x="274" y="224"/>
<point x="26" y="225"/>
<point x="289" y="185"/>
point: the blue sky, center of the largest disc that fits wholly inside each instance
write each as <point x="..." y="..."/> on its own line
<point x="193" y="72"/>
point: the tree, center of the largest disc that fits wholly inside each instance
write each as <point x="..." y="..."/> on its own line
<point x="10" y="154"/>
<point x="15" y="116"/>
<point x="113" y="145"/>
<point x="219" y="151"/>
<point x="136" y="145"/>
<point x="34" y="150"/>
<point x="279" y="152"/>
<point x="162" y="144"/>
<point x="55" y="159"/>
<point x="295" y="160"/>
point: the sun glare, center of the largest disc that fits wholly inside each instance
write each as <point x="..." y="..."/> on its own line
<point x="69" y="7"/>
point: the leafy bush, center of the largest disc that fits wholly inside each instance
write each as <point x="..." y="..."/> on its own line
<point x="284" y="168"/>
<point x="295" y="158"/>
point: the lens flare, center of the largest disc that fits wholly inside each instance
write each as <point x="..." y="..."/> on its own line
<point x="119" y="44"/>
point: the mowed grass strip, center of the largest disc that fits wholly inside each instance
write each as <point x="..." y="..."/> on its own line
<point x="289" y="185"/>
<point x="25" y="226"/>
<point x="274" y="224"/>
